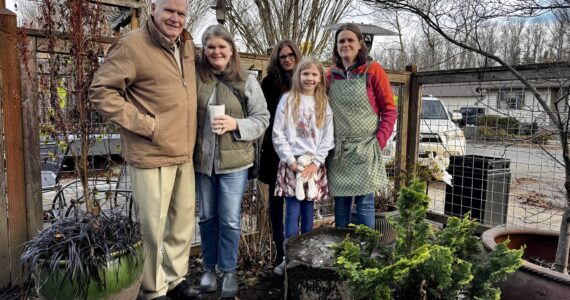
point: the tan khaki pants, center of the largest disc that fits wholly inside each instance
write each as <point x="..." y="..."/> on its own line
<point x="165" y="203"/>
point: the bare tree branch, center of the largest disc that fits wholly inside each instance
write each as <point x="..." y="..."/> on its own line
<point x="262" y="23"/>
<point x="458" y="22"/>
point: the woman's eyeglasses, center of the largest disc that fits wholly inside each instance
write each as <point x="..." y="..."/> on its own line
<point x="290" y="56"/>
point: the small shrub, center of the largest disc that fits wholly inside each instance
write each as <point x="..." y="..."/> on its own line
<point x="494" y="134"/>
<point x="542" y="138"/>
<point x="440" y="265"/>
<point x="509" y="124"/>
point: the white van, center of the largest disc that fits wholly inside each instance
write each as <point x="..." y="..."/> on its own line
<point x="439" y="135"/>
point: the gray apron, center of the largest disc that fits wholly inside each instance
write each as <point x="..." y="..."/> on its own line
<point x="357" y="167"/>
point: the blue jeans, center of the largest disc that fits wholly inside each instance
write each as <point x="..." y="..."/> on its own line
<point x="220" y="199"/>
<point x="293" y="209"/>
<point x="364" y="210"/>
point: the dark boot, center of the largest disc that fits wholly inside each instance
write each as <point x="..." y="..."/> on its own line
<point x="209" y="282"/>
<point x="230" y="285"/>
<point x="183" y="291"/>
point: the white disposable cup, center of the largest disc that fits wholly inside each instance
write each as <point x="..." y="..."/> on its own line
<point x="216" y="110"/>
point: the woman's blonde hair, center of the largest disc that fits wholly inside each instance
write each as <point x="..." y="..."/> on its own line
<point x="320" y="94"/>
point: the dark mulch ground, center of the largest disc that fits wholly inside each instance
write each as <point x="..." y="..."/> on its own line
<point x="263" y="285"/>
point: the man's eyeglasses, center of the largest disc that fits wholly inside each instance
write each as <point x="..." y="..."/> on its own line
<point x="290" y="56"/>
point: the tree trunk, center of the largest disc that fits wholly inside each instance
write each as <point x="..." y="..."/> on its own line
<point x="561" y="260"/>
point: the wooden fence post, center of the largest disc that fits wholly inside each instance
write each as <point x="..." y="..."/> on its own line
<point x="134" y="19"/>
<point x="4" y="245"/>
<point x="14" y="146"/>
<point x="402" y="134"/>
<point x="412" y="126"/>
<point x="31" y="127"/>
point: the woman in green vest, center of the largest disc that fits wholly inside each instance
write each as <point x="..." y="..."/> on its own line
<point x="364" y="116"/>
<point x="224" y="152"/>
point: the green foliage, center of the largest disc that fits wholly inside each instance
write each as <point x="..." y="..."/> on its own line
<point x="495" y="121"/>
<point x="501" y="262"/>
<point x="413" y="231"/>
<point x="491" y="134"/>
<point x="459" y="236"/>
<point x="438" y="265"/>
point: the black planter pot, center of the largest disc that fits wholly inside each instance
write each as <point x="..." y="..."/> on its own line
<point x="382" y="224"/>
<point x="310" y="273"/>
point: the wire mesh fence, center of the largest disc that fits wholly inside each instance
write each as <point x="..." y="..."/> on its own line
<point x="511" y="169"/>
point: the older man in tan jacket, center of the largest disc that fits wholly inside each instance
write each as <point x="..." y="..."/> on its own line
<point x="147" y="86"/>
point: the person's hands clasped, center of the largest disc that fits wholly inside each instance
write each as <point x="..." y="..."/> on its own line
<point x="309" y="171"/>
<point x="293" y="167"/>
<point x="224" y="123"/>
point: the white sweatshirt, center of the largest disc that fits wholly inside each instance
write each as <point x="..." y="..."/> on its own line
<point x="290" y="139"/>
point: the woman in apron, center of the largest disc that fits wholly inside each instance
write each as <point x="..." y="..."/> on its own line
<point x="364" y="115"/>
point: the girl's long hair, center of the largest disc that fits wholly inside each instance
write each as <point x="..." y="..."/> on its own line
<point x="283" y="80"/>
<point x="205" y="69"/>
<point x="320" y="94"/>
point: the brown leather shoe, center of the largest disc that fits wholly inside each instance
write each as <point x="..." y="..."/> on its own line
<point x="183" y="291"/>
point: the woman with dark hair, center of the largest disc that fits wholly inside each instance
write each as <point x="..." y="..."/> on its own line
<point x="283" y="59"/>
<point x="364" y="116"/>
<point x="224" y="152"/>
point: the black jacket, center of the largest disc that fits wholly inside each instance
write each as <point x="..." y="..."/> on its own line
<point x="269" y="159"/>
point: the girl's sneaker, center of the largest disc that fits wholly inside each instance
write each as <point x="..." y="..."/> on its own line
<point x="280" y="269"/>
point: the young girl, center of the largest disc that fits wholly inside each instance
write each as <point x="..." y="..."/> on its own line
<point x="303" y="125"/>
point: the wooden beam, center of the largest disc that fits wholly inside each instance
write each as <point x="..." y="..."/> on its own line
<point x="120" y="3"/>
<point x="398" y="78"/>
<point x="31" y="126"/>
<point x="14" y="144"/>
<point x="134" y="19"/>
<point x="401" y="135"/>
<point x="65" y="36"/>
<point x="532" y="72"/>
<point x="5" y="245"/>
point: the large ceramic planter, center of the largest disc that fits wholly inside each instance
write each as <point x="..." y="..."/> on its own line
<point x="310" y="273"/>
<point x="122" y="278"/>
<point x="382" y="224"/>
<point x="531" y="281"/>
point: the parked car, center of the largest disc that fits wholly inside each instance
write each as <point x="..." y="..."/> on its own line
<point x="439" y="135"/>
<point x="471" y="115"/>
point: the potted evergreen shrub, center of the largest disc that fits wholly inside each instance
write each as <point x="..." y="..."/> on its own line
<point x="96" y="252"/>
<point x="423" y="264"/>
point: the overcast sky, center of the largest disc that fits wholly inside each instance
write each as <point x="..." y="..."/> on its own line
<point x="10" y="4"/>
<point x="360" y="17"/>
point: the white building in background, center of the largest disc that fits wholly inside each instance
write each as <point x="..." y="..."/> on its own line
<point x="504" y="98"/>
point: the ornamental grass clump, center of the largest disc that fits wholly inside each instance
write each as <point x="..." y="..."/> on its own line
<point x="81" y="245"/>
<point x="424" y="264"/>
